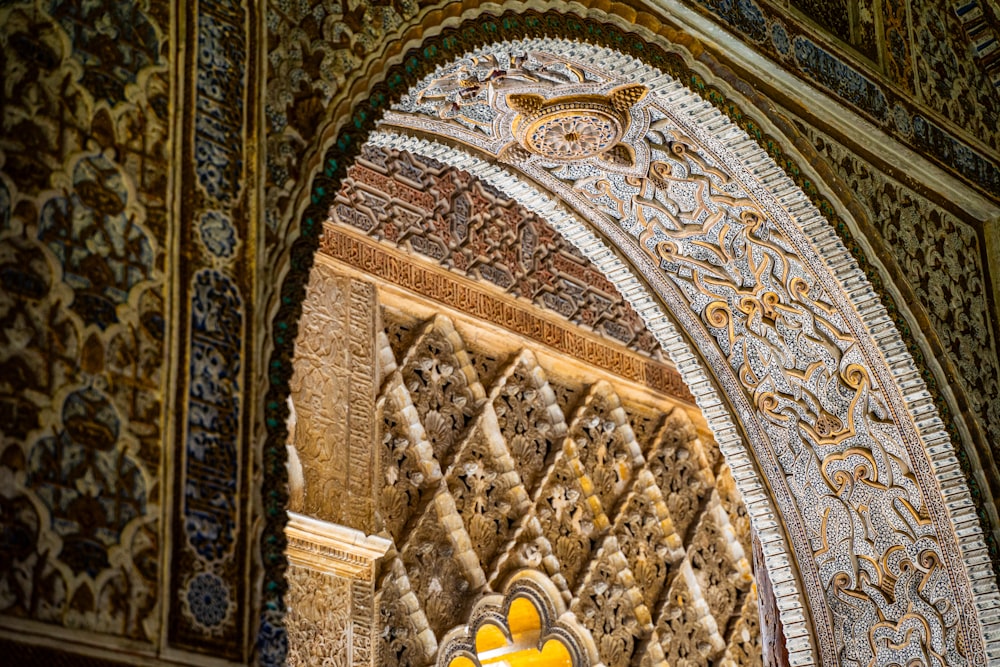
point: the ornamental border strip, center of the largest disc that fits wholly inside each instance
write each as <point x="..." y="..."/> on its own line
<point x="420" y="61"/>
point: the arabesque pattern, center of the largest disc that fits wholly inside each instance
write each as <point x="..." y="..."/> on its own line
<point x="735" y="251"/>
<point x="83" y="244"/>
<point x="441" y="213"/>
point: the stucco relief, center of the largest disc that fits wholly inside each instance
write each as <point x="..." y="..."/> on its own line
<point x="731" y="243"/>
<point x="443" y="214"/>
<point x="333" y="382"/>
<point x="607" y="514"/>
<point x="318" y="619"/>
<point x="941" y="259"/>
<point x="950" y="79"/>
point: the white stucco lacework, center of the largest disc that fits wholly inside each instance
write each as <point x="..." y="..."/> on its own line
<point x="919" y="486"/>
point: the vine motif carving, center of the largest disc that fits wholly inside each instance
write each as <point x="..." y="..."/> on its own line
<point x="529" y="419"/>
<point x="644" y="536"/>
<point x="606" y="608"/>
<point x="684" y="633"/>
<point x="939" y="257"/>
<point x="734" y="268"/>
<point x="333" y="391"/>
<point x="404" y="455"/>
<point x="319" y="621"/>
<point x="443" y="385"/>
<point x="405" y="638"/>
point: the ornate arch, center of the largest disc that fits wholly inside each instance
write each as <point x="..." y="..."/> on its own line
<point x="929" y="431"/>
<point x="532" y="602"/>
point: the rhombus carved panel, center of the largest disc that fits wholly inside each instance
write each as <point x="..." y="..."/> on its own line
<point x="612" y="500"/>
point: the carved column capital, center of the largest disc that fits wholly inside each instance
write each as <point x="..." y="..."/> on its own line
<point x="331" y="548"/>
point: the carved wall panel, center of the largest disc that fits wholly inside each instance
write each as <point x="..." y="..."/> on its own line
<point x="920" y="47"/>
<point x="88" y="238"/>
<point x="315" y="51"/>
<point x="443" y="214"/>
<point x="489" y="304"/>
<point x="478" y="483"/>
<point x="106" y="210"/>
<point x="332" y="619"/>
<point x="942" y="259"/>
<point x="949" y="77"/>
<point x="333" y="391"/>
<point x="319" y="618"/>
<point x="83" y="243"/>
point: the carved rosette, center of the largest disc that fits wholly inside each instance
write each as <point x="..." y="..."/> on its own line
<point x="576" y="127"/>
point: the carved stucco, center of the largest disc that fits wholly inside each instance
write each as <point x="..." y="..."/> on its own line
<point x="491" y="464"/>
<point x="567" y="491"/>
<point x="84" y="163"/>
<point x="941" y="258"/>
<point x="319" y="618"/>
<point x="331" y="615"/>
<point x="726" y="240"/>
<point x="444" y="214"/>
<point x="130" y="113"/>
<point x="334" y="389"/>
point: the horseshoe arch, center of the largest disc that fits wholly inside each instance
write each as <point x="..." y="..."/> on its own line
<point x="766" y="315"/>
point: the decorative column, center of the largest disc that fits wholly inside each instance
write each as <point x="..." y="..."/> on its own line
<point x="331" y="580"/>
<point x="332" y="455"/>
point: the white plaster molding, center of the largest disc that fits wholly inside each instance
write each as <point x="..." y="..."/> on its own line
<point x="332" y="548"/>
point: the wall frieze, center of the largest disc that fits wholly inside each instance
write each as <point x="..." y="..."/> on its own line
<point x="407" y="272"/>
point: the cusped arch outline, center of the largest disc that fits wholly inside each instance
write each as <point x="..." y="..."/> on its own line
<point x="929" y="428"/>
<point x="491" y="626"/>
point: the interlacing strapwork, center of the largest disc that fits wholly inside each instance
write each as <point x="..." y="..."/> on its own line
<point x="622" y="507"/>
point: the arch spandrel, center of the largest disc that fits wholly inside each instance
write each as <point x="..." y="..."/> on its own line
<point x="796" y="340"/>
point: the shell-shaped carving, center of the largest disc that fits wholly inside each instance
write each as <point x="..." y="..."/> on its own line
<point x="624" y="98"/>
<point x="525" y="103"/>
